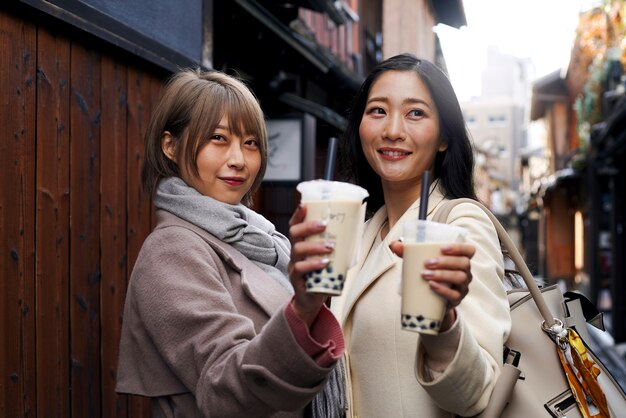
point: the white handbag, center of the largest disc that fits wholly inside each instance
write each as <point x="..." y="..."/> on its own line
<point x="533" y="382"/>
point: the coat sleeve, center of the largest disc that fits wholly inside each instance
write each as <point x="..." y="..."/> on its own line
<point x="182" y="300"/>
<point x="465" y="386"/>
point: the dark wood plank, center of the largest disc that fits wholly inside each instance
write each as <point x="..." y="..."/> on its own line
<point x="139" y="205"/>
<point x="53" y="186"/>
<point x="17" y="217"/>
<point x="139" y="103"/>
<point x="113" y="147"/>
<point x="85" y="231"/>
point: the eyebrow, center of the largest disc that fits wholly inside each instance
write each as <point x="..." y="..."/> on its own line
<point x="408" y="100"/>
<point x="227" y="128"/>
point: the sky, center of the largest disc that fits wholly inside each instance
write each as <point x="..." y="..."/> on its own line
<point x="542" y="30"/>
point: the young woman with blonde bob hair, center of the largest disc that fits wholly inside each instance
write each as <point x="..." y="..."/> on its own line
<point x="217" y="321"/>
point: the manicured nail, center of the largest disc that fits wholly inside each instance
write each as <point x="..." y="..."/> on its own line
<point x="446" y="247"/>
<point x="427" y="274"/>
<point x="329" y="244"/>
<point x="431" y="262"/>
<point x="322" y="223"/>
<point x="324" y="261"/>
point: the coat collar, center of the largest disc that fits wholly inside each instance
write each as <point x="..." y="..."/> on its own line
<point x="374" y="262"/>
<point x="257" y="285"/>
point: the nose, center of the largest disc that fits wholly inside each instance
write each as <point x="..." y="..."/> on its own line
<point x="235" y="156"/>
<point x="394" y="128"/>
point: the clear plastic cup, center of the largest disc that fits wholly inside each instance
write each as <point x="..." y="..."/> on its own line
<point x="423" y="309"/>
<point x="342" y="206"/>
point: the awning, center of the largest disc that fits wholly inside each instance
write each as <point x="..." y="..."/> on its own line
<point x="338" y="11"/>
<point x="321" y="112"/>
<point x="309" y="49"/>
<point x="450" y="12"/>
<point x="559" y="179"/>
<point x="548" y="89"/>
<point x="611" y="140"/>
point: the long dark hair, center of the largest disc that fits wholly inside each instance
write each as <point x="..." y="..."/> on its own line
<point x="454" y="167"/>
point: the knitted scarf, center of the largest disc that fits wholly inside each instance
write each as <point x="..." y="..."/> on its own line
<point x="244" y="229"/>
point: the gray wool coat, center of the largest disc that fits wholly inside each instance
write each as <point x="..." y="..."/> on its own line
<point x="204" y="332"/>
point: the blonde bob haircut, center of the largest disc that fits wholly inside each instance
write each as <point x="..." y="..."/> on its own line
<point x="191" y="106"/>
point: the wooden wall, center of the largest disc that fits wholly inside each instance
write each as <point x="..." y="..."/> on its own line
<point x="72" y="215"/>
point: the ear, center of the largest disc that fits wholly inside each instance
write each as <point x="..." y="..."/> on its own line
<point x="443" y="146"/>
<point x="168" y="146"/>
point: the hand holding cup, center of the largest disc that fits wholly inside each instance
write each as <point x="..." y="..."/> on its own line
<point x="340" y="207"/>
<point x="306" y="256"/>
<point x="436" y="274"/>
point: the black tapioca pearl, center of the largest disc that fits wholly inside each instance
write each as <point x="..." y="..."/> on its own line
<point x="340" y="277"/>
<point x="329" y="269"/>
<point x="420" y="318"/>
<point x="317" y="280"/>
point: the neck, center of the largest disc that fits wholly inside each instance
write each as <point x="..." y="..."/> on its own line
<point x="398" y="198"/>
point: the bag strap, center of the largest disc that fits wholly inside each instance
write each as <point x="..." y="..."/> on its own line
<point x="441" y="215"/>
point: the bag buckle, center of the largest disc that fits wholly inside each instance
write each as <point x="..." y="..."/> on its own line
<point x="557" y="331"/>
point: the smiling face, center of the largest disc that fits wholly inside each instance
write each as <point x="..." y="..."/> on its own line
<point x="227" y="163"/>
<point x="399" y="129"/>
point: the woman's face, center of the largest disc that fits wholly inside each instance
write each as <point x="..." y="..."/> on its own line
<point x="400" y="128"/>
<point x="227" y="165"/>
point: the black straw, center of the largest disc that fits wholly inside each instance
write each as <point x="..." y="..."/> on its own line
<point x="331" y="156"/>
<point x="424" y="195"/>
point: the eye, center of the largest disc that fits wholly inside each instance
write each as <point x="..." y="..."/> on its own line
<point x="217" y="138"/>
<point x="375" y="111"/>
<point x="416" y="113"/>
<point x="252" y="143"/>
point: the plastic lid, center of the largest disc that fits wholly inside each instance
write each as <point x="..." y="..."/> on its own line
<point x="326" y="190"/>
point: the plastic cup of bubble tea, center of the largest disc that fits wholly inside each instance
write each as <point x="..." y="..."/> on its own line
<point x="342" y="206"/>
<point x="422" y="309"/>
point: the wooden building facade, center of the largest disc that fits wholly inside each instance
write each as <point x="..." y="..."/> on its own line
<point x="77" y="88"/>
<point x="72" y="214"/>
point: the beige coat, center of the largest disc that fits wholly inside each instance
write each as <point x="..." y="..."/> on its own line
<point x="204" y="333"/>
<point x="388" y="376"/>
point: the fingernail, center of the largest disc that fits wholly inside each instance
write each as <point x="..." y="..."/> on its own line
<point x="446" y="247"/>
<point x="322" y="223"/>
<point x="431" y="262"/>
<point x="427" y="274"/>
<point x="324" y="261"/>
<point x="329" y="244"/>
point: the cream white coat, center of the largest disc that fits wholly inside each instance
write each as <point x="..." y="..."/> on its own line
<point x="388" y="376"/>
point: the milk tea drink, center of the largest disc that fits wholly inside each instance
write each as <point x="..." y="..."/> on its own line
<point x="422" y="309"/>
<point x="341" y="206"/>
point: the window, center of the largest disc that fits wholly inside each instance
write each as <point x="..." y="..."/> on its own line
<point x="497" y="119"/>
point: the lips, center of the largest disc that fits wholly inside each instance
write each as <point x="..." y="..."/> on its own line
<point x="233" y="181"/>
<point x="393" y="154"/>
